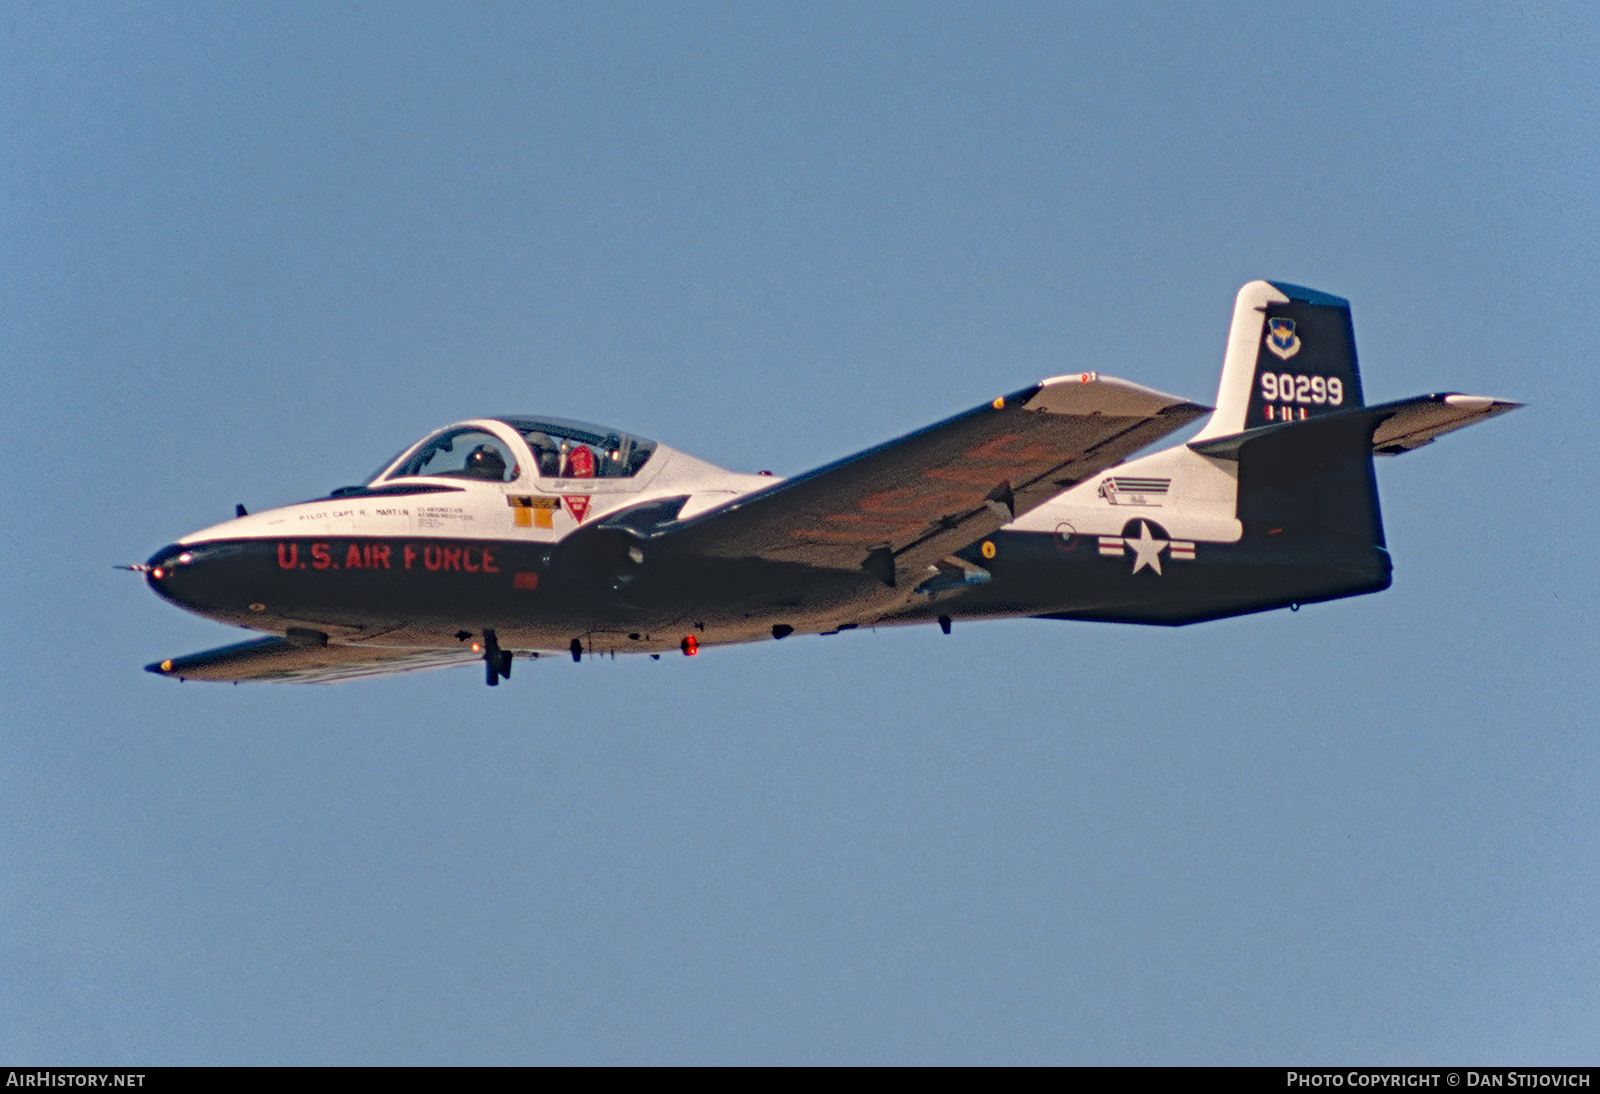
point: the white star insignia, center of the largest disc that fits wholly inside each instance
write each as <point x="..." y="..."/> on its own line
<point x="1146" y="549"/>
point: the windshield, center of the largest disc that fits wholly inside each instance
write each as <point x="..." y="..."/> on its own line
<point x="461" y="454"/>
<point x="384" y="466"/>
<point x="577" y="450"/>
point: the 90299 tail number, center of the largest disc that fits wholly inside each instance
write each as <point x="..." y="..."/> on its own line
<point x="1284" y="387"/>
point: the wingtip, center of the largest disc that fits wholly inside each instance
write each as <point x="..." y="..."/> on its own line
<point x="1091" y="391"/>
<point x="1481" y="402"/>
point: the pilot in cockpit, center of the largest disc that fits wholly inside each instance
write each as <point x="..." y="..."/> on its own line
<point x="545" y="454"/>
<point x="485" y="462"/>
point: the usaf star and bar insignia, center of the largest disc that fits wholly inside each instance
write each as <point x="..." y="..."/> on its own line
<point x="1147" y="540"/>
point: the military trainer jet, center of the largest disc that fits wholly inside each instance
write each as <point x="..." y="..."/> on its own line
<point x="530" y="536"/>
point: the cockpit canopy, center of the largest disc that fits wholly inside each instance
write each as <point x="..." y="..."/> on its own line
<point x="558" y="449"/>
<point x="574" y="450"/>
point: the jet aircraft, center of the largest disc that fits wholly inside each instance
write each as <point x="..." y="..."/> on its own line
<point x="530" y="536"/>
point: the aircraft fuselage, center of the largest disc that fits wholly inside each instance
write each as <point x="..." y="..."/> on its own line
<point x="541" y="535"/>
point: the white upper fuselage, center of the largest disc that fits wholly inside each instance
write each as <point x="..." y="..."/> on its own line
<point x="525" y="505"/>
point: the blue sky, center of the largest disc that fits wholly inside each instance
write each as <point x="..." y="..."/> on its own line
<point x="249" y="251"/>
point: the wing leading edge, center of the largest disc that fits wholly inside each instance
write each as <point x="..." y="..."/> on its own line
<point x="902" y="506"/>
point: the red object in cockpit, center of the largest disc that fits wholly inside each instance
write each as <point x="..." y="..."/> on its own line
<point x="580" y="463"/>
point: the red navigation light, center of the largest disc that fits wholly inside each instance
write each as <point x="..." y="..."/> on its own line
<point x="690" y="645"/>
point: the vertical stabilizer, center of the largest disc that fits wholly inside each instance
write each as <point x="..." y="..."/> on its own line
<point x="1305" y="469"/>
<point x="1291" y="357"/>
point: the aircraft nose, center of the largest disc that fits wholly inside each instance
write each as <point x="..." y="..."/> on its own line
<point x="167" y="560"/>
<point x="162" y="571"/>
<point x="193" y="576"/>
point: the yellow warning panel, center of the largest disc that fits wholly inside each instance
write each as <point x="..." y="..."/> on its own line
<point x="529" y="511"/>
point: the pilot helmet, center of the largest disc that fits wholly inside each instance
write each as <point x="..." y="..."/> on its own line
<point x="485" y="462"/>
<point x="545" y="453"/>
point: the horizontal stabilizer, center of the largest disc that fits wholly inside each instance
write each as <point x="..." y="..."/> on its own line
<point x="1418" y="421"/>
<point x="1396" y="427"/>
<point x="291" y="661"/>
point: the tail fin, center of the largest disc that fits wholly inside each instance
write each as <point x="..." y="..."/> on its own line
<point x="1291" y="413"/>
<point x="1291" y="357"/>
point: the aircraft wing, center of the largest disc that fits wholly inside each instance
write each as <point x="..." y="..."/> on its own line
<point x="904" y="505"/>
<point x="285" y="660"/>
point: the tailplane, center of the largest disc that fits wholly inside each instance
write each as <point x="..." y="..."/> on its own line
<point x="1275" y="499"/>
<point x="1291" y="413"/>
